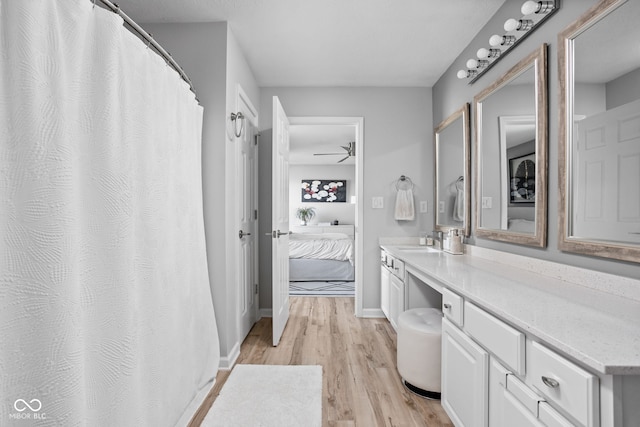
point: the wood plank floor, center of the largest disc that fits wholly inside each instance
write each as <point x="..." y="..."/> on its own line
<point x="361" y="385"/>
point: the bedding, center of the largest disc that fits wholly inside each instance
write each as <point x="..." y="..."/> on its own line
<point x="319" y="270"/>
<point x="334" y="246"/>
<point x="320" y="257"/>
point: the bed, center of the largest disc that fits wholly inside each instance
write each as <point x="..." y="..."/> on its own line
<point x="321" y="257"/>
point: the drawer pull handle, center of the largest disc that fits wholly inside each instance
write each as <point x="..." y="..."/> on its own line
<point x="446" y="305"/>
<point x="550" y="382"/>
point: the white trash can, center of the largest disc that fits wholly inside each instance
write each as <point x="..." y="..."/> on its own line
<point x="419" y="350"/>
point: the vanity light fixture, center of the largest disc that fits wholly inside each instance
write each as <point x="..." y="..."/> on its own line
<point x="533" y="14"/>
<point x="474" y="63"/>
<point x="498" y="40"/>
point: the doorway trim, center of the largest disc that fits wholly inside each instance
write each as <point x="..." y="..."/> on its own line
<point x="358" y="122"/>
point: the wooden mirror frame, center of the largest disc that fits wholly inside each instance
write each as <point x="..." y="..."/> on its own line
<point x="565" y="77"/>
<point x="463" y="113"/>
<point x="538" y="60"/>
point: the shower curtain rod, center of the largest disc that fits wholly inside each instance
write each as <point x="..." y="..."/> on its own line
<point x="150" y="40"/>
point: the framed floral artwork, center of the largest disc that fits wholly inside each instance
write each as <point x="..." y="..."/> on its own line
<point x="324" y="190"/>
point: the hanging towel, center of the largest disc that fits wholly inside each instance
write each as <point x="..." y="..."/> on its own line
<point x="458" y="206"/>
<point x="404" y="205"/>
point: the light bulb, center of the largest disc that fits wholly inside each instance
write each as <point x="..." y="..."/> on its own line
<point x="462" y="74"/>
<point x="472" y="63"/>
<point x="484" y="53"/>
<point x="530" y="7"/>
<point x="496" y="40"/>
<point x="511" y="24"/>
<point x="520" y="24"/>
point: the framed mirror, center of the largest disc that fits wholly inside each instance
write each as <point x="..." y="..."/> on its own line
<point x="599" y="132"/>
<point x="511" y="154"/>
<point x="452" y="168"/>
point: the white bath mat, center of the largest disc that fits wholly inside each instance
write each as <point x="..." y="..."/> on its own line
<point x="269" y="395"/>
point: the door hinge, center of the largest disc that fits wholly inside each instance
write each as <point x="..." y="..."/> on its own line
<point x="256" y="285"/>
<point x="255" y="214"/>
<point x="256" y="138"/>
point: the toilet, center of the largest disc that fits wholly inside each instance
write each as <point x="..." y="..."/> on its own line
<point x="419" y="346"/>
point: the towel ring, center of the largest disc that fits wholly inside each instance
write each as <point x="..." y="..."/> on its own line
<point x="459" y="183"/>
<point x="404" y="183"/>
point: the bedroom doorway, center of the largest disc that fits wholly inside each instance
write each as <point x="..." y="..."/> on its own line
<point x="329" y="148"/>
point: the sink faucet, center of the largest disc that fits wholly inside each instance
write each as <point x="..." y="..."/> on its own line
<point x="437" y="239"/>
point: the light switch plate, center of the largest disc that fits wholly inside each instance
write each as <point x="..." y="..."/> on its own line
<point x="487" y="202"/>
<point x="441" y="206"/>
<point x="377" y="202"/>
<point x="423" y="206"/>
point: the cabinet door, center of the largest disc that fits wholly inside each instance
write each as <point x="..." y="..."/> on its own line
<point x="396" y="299"/>
<point x="465" y="378"/>
<point x="384" y="290"/>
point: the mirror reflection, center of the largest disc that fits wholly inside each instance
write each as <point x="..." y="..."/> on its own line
<point x="511" y="146"/>
<point x="603" y="136"/>
<point x="453" y="204"/>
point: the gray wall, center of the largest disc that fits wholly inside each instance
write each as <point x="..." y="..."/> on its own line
<point x="325" y="211"/>
<point x="449" y="93"/>
<point x="398" y="139"/>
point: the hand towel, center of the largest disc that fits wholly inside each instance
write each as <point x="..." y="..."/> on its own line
<point x="404" y="205"/>
<point x="458" y="206"/>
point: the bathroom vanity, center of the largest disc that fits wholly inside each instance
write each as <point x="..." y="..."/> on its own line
<point x="529" y="342"/>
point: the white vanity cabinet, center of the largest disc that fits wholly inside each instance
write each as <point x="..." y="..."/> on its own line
<point x="396" y="299"/>
<point x="539" y="345"/>
<point x="392" y="287"/>
<point x="488" y="381"/>
<point x="385" y="283"/>
<point x="464" y="377"/>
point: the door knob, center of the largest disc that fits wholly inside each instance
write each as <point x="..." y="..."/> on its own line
<point x="241" y="234"/>
<point x="277" y="233"/>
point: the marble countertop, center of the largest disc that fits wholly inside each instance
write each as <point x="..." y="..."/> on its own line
<point x="598" y="329"/>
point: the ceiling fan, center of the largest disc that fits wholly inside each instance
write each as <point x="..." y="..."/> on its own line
<point x="350" y="149"/>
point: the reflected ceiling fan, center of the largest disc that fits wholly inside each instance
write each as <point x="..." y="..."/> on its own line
<point x="350" y="148"/>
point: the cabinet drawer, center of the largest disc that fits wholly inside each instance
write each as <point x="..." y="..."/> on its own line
<point x="561" y="381"/>
<point x="496" y="336"/>
<point x="452" y="306"/>
<point x="550" y="417"/>
<point x="398" y="268"/>
<point x="525" y="396"/>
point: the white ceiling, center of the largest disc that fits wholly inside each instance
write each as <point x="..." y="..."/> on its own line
<point x="307" y="140"/>
<point x="336" y="42"/>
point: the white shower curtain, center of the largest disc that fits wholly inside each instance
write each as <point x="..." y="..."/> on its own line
<point x="106" y="317"/>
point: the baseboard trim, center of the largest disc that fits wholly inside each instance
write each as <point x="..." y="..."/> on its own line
<point x="266" y="312"/>
<point x="227" y="362"/>
<point x="374" y="313"/>
<point x="202" y="403"/>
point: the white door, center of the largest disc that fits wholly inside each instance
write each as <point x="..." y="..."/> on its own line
<point x="385" y="284"/>
<point x="246" y="189"/>
<point x="465" y="378"/>
<point x="280" y="220"/>
<point x="396" y="299"/>
<point x="607" y="171"/>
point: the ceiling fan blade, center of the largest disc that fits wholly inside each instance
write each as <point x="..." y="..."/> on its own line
<point x="328" y="154"/>
<point x="340" y="161"/>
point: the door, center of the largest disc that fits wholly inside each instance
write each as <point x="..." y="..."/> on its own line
<point x="385" y="282"/>
<point x="246" y="189"/>
<point x="396" y="299"/>
<point x="607" y="171"/>
<point x="280" y="220"/>
<point x="465" y="378"/>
